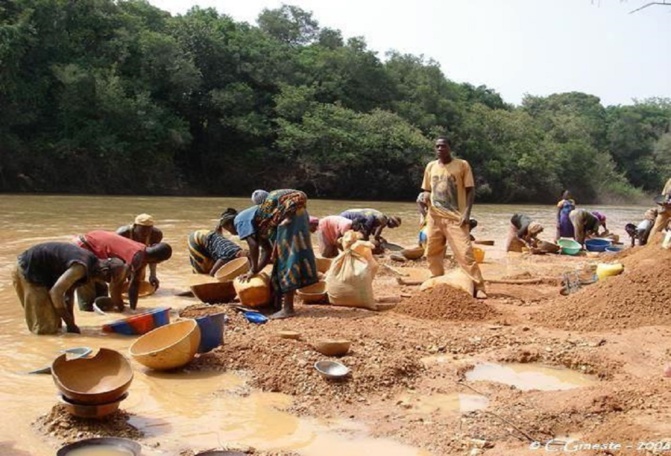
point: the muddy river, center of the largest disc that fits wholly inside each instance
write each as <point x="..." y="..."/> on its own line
<point x="189" y="409"/>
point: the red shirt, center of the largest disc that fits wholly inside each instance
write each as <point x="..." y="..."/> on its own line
<point x="108" y="244"/>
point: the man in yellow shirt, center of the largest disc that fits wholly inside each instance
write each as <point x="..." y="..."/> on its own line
<point x="449" y="186"/>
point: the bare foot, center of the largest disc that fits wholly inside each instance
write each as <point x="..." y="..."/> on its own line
<point x="480" y="294"/>
<point x="282" y="314"/>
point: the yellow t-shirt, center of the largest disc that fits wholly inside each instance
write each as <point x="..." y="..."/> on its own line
<point x="447" y="184"/>
<point x="667" y="188"/>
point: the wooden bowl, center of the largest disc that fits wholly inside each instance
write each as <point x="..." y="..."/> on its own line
<point x="332" y="347"/>
<point x="286" y="334"/>
<point x="214" y="292"/>
<point x="146" y="289"/>
<point x="232" y="269"/>
<point x="414" y="253"/>
<point x="100" y="379"/>
<point x="323" y="264"/>
<point x="168" y="347"/>
<point x="91" y="411"/>
<point x="313" y="294"/>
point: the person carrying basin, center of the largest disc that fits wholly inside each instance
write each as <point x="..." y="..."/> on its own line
<point x="143" y="230"/>
<point x="209" y="250"/>
<point x="279" y="230"/>
<point x="523" y="232"/>
<point x="136" y="256"/>
<point x="45" y="279"/>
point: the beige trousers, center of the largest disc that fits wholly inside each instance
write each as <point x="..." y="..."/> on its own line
<point x="40" y="313"/>
<point x="442" y="231"/>
<point x="661" y="221"/>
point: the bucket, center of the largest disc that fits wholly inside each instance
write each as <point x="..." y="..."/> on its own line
<point x="479" y="255"/>
<point x="211" y="331"/>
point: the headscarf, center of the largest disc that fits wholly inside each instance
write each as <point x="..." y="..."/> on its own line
<point x="144" y="220"/>
<point x="534" y="228"/>
<point x="314" y="220"/>
<point x="599" y="216"/>
<point x="394" y="221"/>
<point x="259" y="196"/>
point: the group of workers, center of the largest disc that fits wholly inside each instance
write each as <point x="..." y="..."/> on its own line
<point x="100" y="265"/>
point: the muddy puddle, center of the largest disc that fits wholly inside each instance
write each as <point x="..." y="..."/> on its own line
<point x="530" y="376"/>
<point x="447" y="404"/>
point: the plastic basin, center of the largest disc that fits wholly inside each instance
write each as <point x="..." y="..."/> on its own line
<point x="211" y="331"/>
<point x="569" y="246"/>
<point x="613" y="249"/>
<point x="168" y="347"/>
<point x="597" y="245"/>
<point x="100" y="379"/>
<point x="140" y="324"/>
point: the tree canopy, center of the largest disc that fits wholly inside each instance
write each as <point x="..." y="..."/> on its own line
<point x="103" y="96"/>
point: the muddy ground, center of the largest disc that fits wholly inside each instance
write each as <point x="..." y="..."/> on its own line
<point x="616" y="330"/>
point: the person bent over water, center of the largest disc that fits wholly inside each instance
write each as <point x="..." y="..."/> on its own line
<point x="279" y="223"/>
<point x="45" y="280"/>
<point x="210" y="250"/>
<point x="523" y="233"/>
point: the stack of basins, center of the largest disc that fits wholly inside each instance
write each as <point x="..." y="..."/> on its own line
<point x="92" y="387"/>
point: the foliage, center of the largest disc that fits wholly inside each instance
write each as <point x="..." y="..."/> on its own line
<point x="117" y="96"/>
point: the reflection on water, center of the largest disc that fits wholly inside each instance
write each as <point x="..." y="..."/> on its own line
<point x="530" y="376"/>
<point x="159" y="401"/>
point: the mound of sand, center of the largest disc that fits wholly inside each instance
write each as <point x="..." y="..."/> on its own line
<point x="446" y="303"/>
<point x="638" y="297"/>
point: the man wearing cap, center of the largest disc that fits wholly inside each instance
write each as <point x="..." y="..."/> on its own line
<point x="143" y="230"/>
<point x="523" y="233"/>
<point x="108" y="244"/>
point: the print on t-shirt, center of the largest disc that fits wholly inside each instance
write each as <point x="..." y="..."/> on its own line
<point x="444" y="193"/>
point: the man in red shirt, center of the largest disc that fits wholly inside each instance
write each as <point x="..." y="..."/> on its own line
<point x="107" y="244"/>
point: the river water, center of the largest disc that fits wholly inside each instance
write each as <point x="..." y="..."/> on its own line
<point x="201" y="415"/>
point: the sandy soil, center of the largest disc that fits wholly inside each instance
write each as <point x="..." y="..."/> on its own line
<point x="615" y="330"/>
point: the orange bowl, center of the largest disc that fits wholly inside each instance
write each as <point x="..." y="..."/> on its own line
<point x="168" y="347"/>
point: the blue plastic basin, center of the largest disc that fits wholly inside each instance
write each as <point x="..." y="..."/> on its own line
<point x="597" y="245"/>
<point x="211" y="331"/>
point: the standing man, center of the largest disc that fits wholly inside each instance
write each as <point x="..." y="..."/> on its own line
<point x="143" y="231"/>
<point x="449" y="187"/>
<point x="45" y="280"/>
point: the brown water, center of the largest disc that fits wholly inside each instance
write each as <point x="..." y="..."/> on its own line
<point x="188" y="409"/>
<point x="530" y="376"/>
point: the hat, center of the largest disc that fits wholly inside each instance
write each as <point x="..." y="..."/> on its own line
<point x="259" y="196"/>
<point x="534" y="228"/>
<point x="144" y="220"/>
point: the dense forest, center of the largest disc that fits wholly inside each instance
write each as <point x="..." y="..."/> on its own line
<point x="119" y="97"/>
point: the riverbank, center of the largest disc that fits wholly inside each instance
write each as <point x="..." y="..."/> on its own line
<point x="412" y="370"/>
